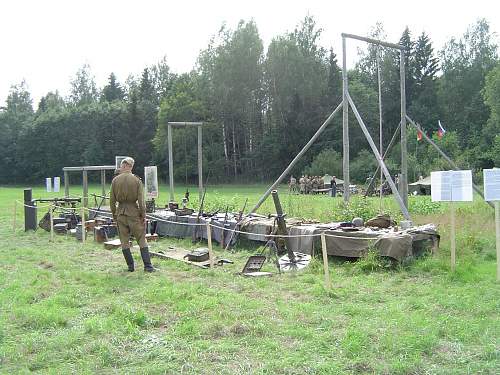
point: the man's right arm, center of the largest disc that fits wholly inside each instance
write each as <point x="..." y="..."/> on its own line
<point x="112" y="200"/>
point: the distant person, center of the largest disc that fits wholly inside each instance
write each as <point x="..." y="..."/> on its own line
<point x="333" y="187"/>
<point x="130" y="215"/>
<point x="302" y="185"/>
<point x="292" y="187"/>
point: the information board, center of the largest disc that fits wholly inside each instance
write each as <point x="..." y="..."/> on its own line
<point x="151" y="182"/>
<point x="48" y="184"/>
<point x="491" y="184"/>
<point x="118" y="161"/>
<point x="448" y="186"/>
<point x="57" y="184"/>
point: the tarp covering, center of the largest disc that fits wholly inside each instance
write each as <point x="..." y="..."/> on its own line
<point x="397" y="244"/>
<point x="420" y="187"/>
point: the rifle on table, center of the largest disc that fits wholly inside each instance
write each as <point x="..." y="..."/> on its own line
<point x="200" y="212"/>
<point x="240" y="216"/>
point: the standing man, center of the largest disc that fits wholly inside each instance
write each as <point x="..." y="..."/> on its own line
<point x="333" y="187"/>
<point x="130" y="215"/>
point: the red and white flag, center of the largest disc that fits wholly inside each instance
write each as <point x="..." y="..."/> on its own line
<point x="441" y="130"/>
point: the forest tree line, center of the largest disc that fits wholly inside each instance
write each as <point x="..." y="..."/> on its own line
<point x="260" y="107"/>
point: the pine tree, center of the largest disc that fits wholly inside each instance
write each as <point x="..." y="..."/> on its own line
<point x="113" y="90"/>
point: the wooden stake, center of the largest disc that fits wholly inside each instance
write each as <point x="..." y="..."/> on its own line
<point x="209" y="238"/>
<point x="328" y="284"/>
<point x="14" y="219"/>
<point x="51" y="215"/>
<point x="452" y="236"/>
<point x="83" y="225"/>
<point x="497" y="229"/>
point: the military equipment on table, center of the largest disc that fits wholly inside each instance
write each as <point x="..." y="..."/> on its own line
<point x="60" y="201"/>
<point x="240" y="217"/>
<point x="292" y="260"/>
<point x="197" y="255"/>
<point x="200" y="212"/>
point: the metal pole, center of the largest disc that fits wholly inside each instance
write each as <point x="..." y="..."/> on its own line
<point x="170" y="162"/>
<point x="294" y="161"/>
<point x="388" y="177"/>
<point x="345" y="123"/>
<point x="387" y="150"/>
<point x="103" y="182"/>
<point x="445" y="157"/>
<point x="200" y="163"/>
<point x="66" y="184"/>
<point x="404" y="151"/>
<point x="85" y="189"/>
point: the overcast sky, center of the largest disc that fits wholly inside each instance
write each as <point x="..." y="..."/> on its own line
<point x="46" y="42"/>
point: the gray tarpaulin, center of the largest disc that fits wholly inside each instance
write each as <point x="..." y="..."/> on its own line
<point x="171" y="225"/>
<point x="346" y="243"/>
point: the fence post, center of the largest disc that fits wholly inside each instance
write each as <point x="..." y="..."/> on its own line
<point x="83" y="225"/>
<point x="328" y="283"/>
<point x="209" y="238"/>
<point x="51" y="217"/>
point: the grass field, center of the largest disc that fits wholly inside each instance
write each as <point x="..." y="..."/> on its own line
<point x="71" y="308"/>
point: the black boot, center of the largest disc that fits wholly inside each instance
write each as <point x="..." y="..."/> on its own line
<point x="148" y="267"/>
<point x="128" y="258"/>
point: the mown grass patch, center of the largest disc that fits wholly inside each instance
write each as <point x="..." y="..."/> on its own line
<point x="71" y="308"/>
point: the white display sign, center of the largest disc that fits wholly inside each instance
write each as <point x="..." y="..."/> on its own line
<point x="451" y="186"/>
<point x="118" y="161"/>
<point x="57" y="184"/>
<point x="151" y="181"/>
<point x="48" y="184"/>
<point x="491" y="184"/>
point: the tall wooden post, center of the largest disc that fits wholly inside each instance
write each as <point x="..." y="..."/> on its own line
<point x="170" y="162"/>
<point x="452" y="236"/>
<point x="83" y="226"/>
<point x="66" y="184"/>
<point x="85" y="188"/>
<point x="345" y="123"/>
<point x="200" y="163"/>
<point x="497" y="230"/>
<point x="404" y="151"/>
<point x="381" y="144"/>
<point x="103" y="182"/>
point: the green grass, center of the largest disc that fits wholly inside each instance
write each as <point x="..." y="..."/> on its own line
<point x="70" y="308"/>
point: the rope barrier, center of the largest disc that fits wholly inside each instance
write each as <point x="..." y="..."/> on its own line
<point x="27" y="205"/>
<point x="234" y="230"/>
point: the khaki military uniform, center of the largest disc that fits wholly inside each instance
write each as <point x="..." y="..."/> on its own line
<point x="127" y="190"/>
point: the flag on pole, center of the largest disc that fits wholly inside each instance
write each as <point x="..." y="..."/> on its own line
<point x="419" y="135"/>
<point x="441" y="130"/>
